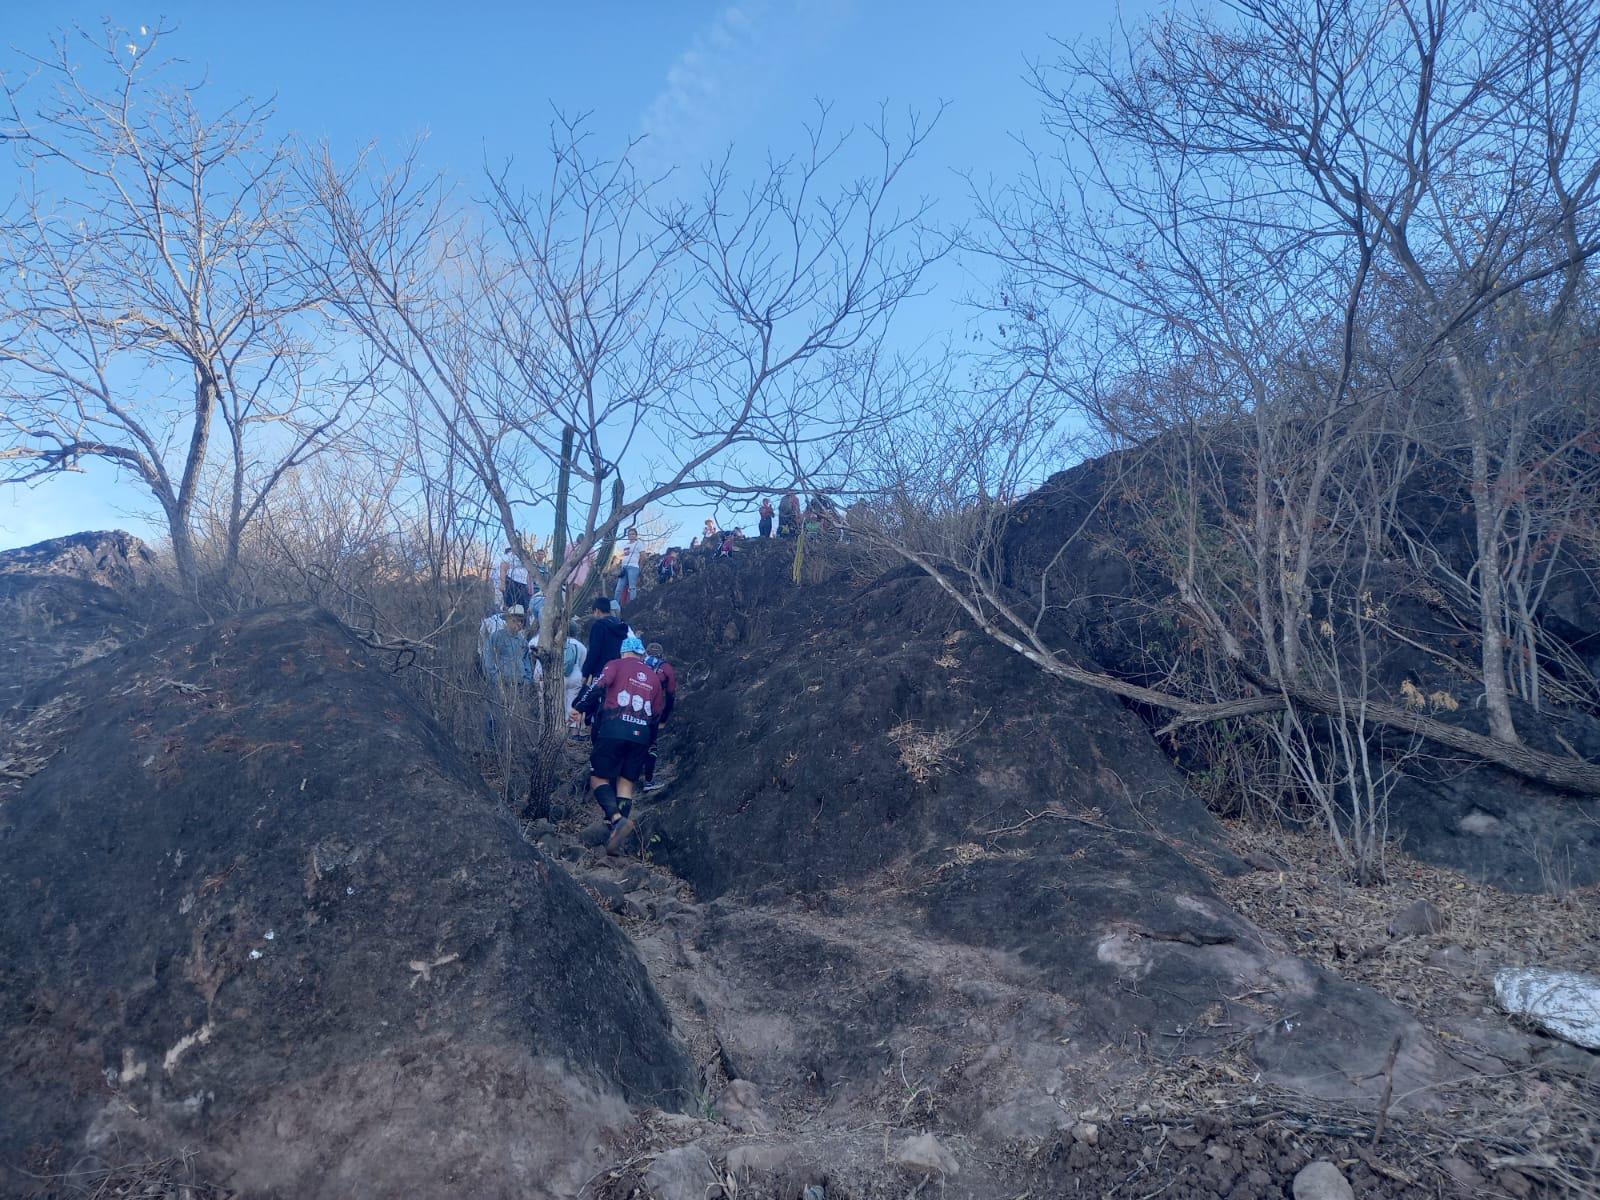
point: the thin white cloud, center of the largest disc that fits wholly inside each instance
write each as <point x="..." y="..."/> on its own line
<point x="706" y="79"/>
<point x="730" y="70"/>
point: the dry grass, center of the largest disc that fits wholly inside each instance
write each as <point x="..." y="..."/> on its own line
<point x="1540" y="1121"/>
<point x="174" y="1178"/>
<point x="924" y="753"/>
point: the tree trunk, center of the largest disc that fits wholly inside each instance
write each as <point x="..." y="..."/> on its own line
<point x="183" y="555"/>
<point x="1491" y="593"/>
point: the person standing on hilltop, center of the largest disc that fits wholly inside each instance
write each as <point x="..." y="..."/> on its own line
<point x="513" y="579"/>
<point x="625" y="704"/>
<point x="628" y="575"/>
<point x="789" y="515"/>
<point x="765" y="524"/>
<point x="709" y="533"/>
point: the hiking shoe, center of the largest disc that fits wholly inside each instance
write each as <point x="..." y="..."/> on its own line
<point x="619" y="835"/>
<point x="655" y="785"/>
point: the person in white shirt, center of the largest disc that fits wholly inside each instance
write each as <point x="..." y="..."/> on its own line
<point x="514" y="580"/>
<point x="628" y="576"/>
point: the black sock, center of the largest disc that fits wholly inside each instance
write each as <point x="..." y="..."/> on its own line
<point x="625" y="806"/>
<point x="607" y="796"/>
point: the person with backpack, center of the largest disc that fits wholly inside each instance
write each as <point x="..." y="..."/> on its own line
<point x="765" y="524"/>
<point x="606" y="634"/>
<point x="667" y="569"/>
<point x="572" y="657"/>
<point x="656" y="659"/>
<point x="624" y="702"/>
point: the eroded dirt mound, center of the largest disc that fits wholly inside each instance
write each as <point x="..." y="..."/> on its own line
<point x="1003" y="879"/>
<point x="252" y="902"/>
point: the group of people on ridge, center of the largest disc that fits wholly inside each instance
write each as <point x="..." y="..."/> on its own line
<point x="621" y="689"/>
<point x="820" y="518"/>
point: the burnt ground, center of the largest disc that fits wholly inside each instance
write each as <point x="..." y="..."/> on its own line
<point x="890" y="889"/>
<point x="257" y="906"/>
<point x="886" y="943"/>
<point x="1118" y="610"/>
<point x="858" y="1031"/>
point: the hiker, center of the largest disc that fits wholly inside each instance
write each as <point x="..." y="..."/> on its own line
<point x="628" y="575"/>
<point x="513" y="579"/>
<point x="506" y="656"/>
<point x="507" y="665"/>
<point x="572" y="656"/>
<point x="789" y="515"/>
<point x="606" y="634"/>
<point x="709" y="534"/>
<point x="726" y="549"/>
<point x="625" y="704"/>
<point x="765" y="524"/>
<point x="668" y="569"/>
<point x="581" y="572"/>
<point x="486" y="630"/>
<point x="656" y="659"/>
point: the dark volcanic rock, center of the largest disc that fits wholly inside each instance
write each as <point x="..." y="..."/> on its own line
<point x="836" y="729"/>
<point x="254" y="903"/>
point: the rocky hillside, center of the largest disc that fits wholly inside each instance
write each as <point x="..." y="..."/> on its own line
<point x="854" y="749"/>
<point x="256" y="906"/>
<point x="66" y="601"/>
<point x="906" y="919"/>
<point x="1118" y="612"/>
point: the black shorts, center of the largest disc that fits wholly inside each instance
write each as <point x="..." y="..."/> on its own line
<point x="614" y="758"/>
<point x="516" y="592"/>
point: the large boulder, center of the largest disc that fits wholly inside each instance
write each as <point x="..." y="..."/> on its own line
<point x="254" y="904"/>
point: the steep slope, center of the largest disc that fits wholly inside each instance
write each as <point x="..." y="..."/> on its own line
<point x="252" y="903"/>
<point x="1447" y="808"/>
<point x="1002" y="873"/>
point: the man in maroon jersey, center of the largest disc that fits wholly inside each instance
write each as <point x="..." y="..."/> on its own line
<point x="626" y="701"/>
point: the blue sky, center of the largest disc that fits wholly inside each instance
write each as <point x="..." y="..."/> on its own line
<point x="481" y="80"/>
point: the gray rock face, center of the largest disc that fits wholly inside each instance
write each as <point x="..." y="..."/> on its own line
<point x="1322" y="1180"/>
<point x="685" y="1173"/>
<point x="1415" y="919"/>
<point x="1565" y="1004"/>
<point x="925" y="1154"/>
<point x="254" y="902"/>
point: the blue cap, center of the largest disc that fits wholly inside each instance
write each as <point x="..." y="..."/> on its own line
<point x="632" y="645"/>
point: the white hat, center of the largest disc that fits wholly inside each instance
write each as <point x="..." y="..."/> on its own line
<point x="516" y="610"/>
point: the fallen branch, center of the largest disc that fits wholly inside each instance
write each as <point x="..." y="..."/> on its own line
<point x="1567" y="774"/>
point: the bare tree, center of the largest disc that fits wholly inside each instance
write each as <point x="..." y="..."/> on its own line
<point x="1296" y="262"/>
<point x="146" y="290"/>
<point x="589" y="339"/>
